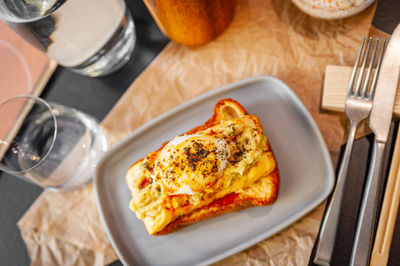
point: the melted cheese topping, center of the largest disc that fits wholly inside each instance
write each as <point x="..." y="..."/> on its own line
<point x="193" y="170"/>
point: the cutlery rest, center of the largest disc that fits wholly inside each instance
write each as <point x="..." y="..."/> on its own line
<point x="335" y="89"/>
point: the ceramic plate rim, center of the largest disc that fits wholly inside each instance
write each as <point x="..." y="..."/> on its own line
<point x="225" y="88"/>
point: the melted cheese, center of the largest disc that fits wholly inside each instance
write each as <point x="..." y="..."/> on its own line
<point x="191" y="171"/>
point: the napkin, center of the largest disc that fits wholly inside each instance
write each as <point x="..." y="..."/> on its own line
<point x="358" y="170"/>
<point x="266" y="37"/>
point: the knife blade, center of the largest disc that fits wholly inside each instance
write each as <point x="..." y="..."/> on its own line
<point x="379" y="122"/>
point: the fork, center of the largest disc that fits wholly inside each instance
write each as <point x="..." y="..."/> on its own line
<point x="358" y="105"/>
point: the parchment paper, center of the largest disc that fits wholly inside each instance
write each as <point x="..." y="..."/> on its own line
<point x="266" y="37"/>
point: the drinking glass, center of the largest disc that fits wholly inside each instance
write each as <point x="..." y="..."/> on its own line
<point x="51" y="145"/>
<point x="92" y="37"/>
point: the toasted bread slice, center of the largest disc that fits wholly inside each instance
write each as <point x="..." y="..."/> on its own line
<point x="243" y="185"/>
<point x="264" y="192"/>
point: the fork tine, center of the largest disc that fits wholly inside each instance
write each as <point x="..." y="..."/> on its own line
<point x="354" y="72"/>
<point x="366" y="82"/>
<point x="362" y="70"/>
<point x="378" y="68"/>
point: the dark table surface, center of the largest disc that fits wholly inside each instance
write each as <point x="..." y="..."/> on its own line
<point x="96" y="96"/>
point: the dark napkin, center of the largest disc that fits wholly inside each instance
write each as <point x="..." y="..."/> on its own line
<point x="387" y="15"/>
<point x="358" y="170"/>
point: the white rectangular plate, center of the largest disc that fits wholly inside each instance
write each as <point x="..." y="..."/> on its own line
<point x="305" y="167"/>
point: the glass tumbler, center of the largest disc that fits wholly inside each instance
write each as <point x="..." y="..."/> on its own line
<point x="53" y="146"/>
<point x="92" y="37"/>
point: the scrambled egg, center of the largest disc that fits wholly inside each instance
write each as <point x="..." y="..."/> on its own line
<point x="191" y="171"/>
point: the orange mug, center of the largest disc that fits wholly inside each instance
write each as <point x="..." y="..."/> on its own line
<point x="192" y="22"/>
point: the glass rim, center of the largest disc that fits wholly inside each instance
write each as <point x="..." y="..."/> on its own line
<point x="47" y="105"/>
<point x="11" y="17"/>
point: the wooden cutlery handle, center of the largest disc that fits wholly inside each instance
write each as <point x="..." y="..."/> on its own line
<point x="335" y="89"/>
<point x="388" y="215"/>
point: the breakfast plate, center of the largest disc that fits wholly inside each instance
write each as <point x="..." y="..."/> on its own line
<point x="305" y="167"/>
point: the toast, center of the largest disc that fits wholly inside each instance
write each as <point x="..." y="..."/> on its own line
<point x="224" y="165"/>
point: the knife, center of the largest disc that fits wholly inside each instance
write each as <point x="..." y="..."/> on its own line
<point x="379" y="122"/>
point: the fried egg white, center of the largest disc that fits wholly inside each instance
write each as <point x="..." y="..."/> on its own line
<point x="191" y="163"/>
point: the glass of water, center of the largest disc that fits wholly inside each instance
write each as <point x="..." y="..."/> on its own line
<point x="53" y="146"/>
<point x="92" y="37"/>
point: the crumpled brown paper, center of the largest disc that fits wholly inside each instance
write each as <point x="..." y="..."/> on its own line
<point x="266" y="37"/>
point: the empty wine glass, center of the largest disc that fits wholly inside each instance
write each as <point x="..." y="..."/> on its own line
<point x="51" y="145"/>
